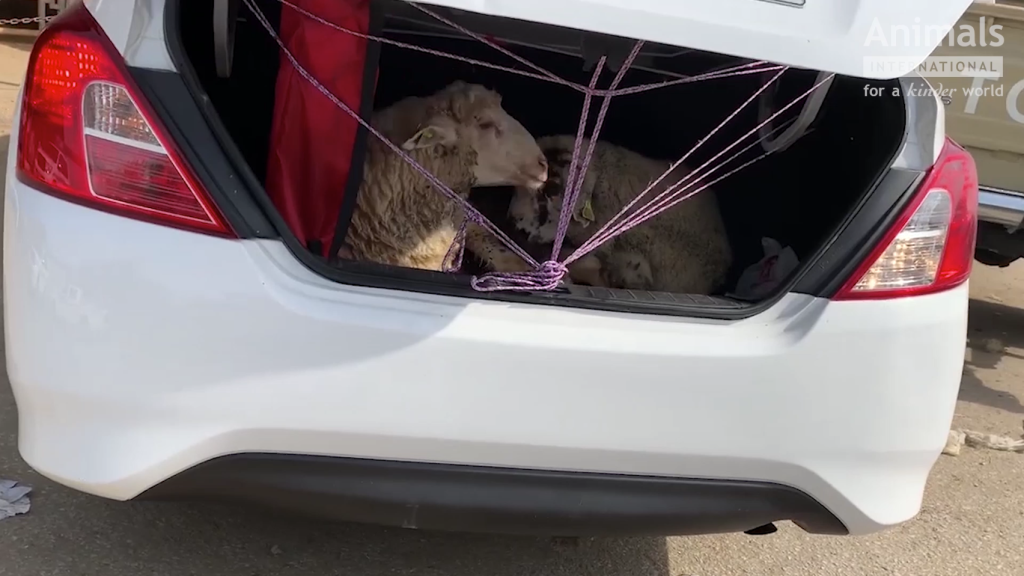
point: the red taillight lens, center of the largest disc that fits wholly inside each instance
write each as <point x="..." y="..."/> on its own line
<point x="930" y="247"/>
<point x="86" y="135"/>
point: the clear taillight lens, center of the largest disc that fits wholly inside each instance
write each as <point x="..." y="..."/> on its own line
<point x="930" y="247"/>
<point x="914" y="256"/>
<point x="108" y="109"/>
<point x="126" y="162"/>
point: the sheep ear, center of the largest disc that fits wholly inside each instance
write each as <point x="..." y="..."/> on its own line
<point x="583" y="212"/>
<point x="586" y="213"/>
<point x="427" y="137"/>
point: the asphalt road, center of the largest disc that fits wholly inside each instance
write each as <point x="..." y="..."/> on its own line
<point x="972" y="522"/>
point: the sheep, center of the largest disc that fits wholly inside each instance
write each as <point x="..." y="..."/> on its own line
<point x="683" y="250"/>
<point x="462" y="136"/>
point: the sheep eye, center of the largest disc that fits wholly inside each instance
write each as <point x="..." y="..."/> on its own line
<point x="488" y="125"/>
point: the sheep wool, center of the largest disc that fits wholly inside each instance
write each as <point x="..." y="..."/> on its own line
<point x="682" y="250"/>
<point x="399" y="217"/>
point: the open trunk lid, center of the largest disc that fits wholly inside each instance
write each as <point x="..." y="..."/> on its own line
<point x="827" y="35"/>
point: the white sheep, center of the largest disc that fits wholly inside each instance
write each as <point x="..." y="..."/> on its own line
<point x="461" y="135"/>
<point x="683" y="250"/>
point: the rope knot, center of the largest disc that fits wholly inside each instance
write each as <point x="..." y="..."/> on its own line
<point x="553" y="269"/>
<point x="546" y="277"/>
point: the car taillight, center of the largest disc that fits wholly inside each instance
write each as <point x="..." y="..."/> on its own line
<point x="87" y="135"/>
<point x="930" y="247"/>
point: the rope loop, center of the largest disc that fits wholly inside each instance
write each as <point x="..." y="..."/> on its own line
<point x="547" y="277"/>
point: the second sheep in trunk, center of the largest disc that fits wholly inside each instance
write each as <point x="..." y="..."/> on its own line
<point x="682" y="250"/>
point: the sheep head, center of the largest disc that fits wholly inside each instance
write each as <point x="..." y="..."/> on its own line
<point x="536" y="213"/>
<point x="471" y="117"/>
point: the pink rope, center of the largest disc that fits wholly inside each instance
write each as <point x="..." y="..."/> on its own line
<point x="471" y="212"/>
<point x="678" y="162"/>
<point x="545" y="75"/>
<point x="548" y="274"/>
<point x="576" y="178"/>
<point x="739" y="70"/>
<point x="554" y="77"/>
<point x="643" y="213"/>
<point x="651" y="209"/>
<point x="453" y="257"/>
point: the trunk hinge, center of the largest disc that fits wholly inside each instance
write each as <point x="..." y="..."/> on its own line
<point x="225" y="15"/>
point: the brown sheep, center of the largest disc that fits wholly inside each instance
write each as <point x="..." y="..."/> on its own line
<point x="462" y="136"/>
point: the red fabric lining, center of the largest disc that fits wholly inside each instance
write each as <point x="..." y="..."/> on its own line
<point x="311" y="139"/>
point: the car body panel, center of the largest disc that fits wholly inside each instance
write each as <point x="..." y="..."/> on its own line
<point x="136" y="351"/>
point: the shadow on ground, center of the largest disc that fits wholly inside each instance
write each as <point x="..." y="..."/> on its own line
<point x="96" y="536"/>
<point x="182" y="539"/>
<point x="994" y="331"/>
<point x="21" y="43"/>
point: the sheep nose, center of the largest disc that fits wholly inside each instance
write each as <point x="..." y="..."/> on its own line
<point x="542" y="161"/>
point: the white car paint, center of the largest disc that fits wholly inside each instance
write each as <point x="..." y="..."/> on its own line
<point x="136" y="29"/>
<point x="831" y="35"/>
<point x="136" y="351"/>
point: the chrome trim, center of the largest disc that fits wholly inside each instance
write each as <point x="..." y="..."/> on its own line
<point x="789" y="3"/>
<point x="926" y="124"/>
<point x="998" y="206"/>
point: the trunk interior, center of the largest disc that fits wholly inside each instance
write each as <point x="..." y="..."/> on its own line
<point x="800" y="197"/>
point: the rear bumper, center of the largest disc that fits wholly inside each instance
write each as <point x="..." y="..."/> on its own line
<point x="481" y="499"/>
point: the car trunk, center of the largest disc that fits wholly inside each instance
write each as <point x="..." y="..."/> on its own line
<point x="802" y="197"/>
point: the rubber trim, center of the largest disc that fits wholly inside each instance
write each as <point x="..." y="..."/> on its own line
<point x="266" y="222"/>
<point x="356" y="164"/>
<point x="495" y="500"/>
<point x="868" y="222"/>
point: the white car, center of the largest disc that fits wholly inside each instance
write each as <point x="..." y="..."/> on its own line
<point x="196" y="349"/>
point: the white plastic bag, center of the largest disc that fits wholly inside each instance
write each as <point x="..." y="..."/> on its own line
<point x="766" y="274"/>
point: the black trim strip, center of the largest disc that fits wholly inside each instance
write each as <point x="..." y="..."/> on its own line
<point x="211" y="163"/>
<point x="253" y="204"/>
<point x="356" y="164"/>
<point x="497" y="500"/>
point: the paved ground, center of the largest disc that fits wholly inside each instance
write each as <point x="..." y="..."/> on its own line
<point x="972" y="522"/>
